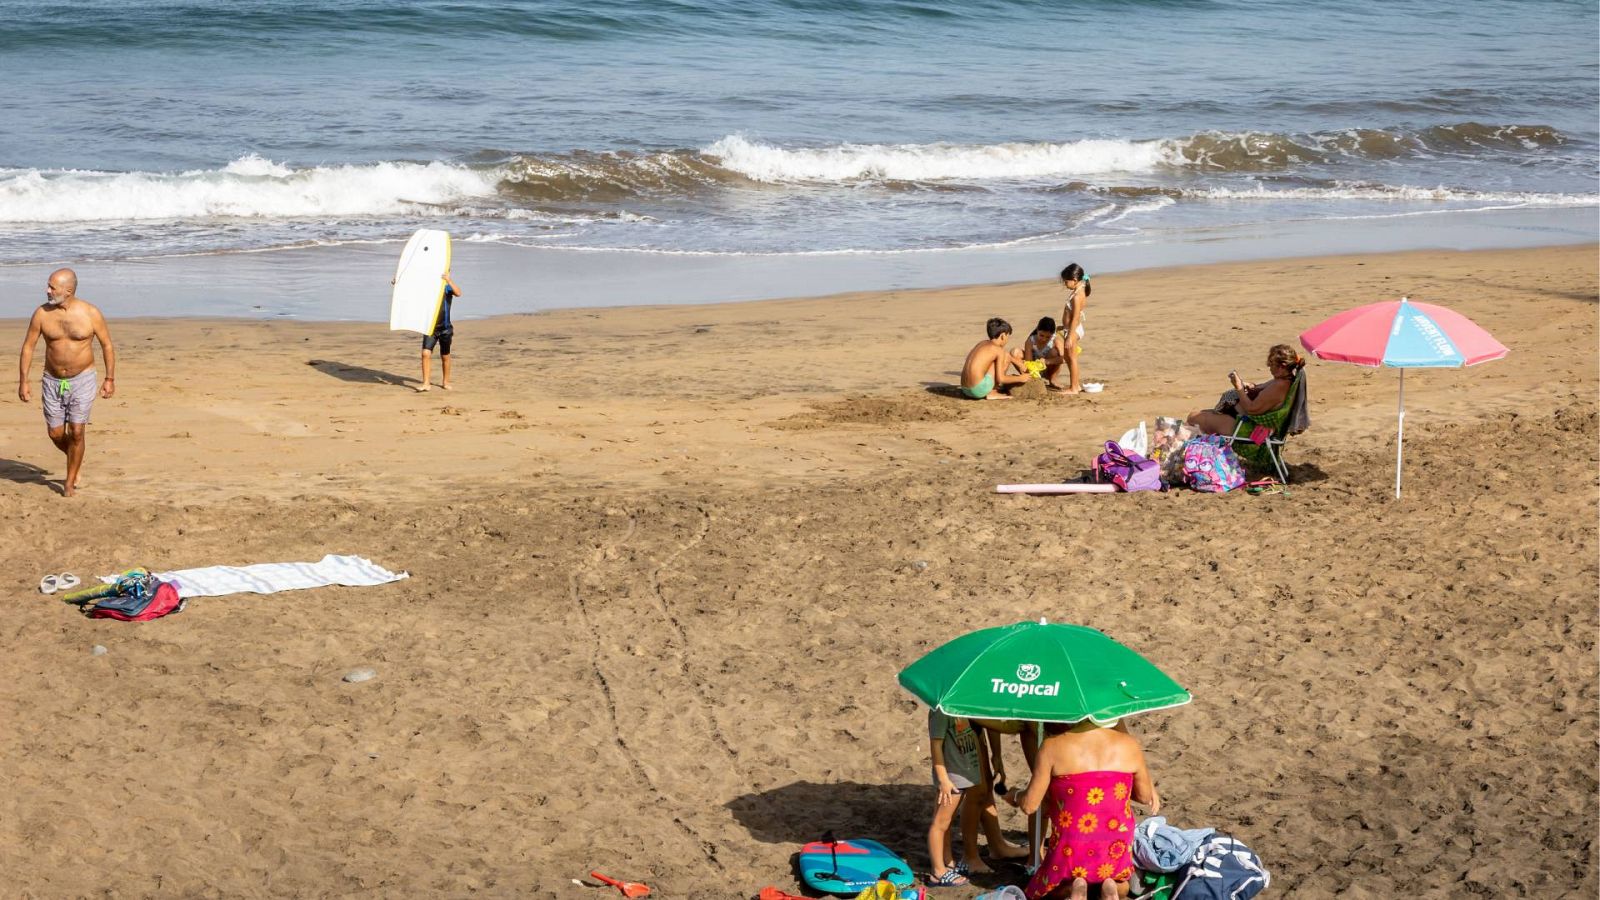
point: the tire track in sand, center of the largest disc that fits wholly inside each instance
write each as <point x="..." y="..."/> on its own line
<point x="686" y="653"/>
<point x="635" y="766"/>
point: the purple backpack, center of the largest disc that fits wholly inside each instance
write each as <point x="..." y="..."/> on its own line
<point x="1211" y="465"/>
<point x="1126" y="469"/>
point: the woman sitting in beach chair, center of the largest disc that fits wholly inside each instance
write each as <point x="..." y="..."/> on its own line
<point x="1257" y="418"/>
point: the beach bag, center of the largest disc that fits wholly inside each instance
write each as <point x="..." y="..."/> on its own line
<point x="1166" y="447"/>
<point x="128" y="593"/>
<point x="139" y="605"/>
<point x="1127" y="470"/>
<point x="1210" y="465"/>
<point x="1225" y="870"/>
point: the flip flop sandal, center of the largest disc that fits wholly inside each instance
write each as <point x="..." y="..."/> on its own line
<point x="950" y="878"/>
<point x="66" y="581"/>
<point x="49" y="584"/>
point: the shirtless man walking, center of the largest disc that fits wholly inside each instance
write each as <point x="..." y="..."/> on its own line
<point x="67" y="323"/>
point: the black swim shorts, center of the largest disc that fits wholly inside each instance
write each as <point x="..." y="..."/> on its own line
<point x="442" y="339"/>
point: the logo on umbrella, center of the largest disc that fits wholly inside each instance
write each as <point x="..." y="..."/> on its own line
<point x="1027" y="672"/>
<point x="1432" y="335"/>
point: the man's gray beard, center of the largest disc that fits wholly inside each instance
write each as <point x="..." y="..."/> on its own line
<point x="51" y="301"/>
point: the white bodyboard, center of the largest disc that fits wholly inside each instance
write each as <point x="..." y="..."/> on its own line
<point x="419" y="282"/>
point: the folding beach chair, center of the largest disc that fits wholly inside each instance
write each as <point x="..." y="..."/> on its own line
<point x="1270" y="449"/>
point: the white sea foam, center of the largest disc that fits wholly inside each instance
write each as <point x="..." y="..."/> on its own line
<point x="934" y="162"/>
<point x="1099" y="212"/>
<point x="845" y="163"/>
<point x="249" y="187"/>
<point x="1394" y="193"/>
<point x="1145" y="206"/>
<point x="253" y="166"/>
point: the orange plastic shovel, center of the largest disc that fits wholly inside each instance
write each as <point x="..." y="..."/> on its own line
<point x="628" y="888"/>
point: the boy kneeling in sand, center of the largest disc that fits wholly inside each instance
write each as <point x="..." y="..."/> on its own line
<point x="989" y="366"/>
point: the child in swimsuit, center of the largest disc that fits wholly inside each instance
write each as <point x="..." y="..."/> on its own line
<point x="1048" y="346"/>
<point x="443" y="335"/>
<point x="989" y="366"/>
<point x="1076" y="282"/>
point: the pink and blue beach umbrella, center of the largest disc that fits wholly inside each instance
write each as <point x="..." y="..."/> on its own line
<point x="1402" y="335"/>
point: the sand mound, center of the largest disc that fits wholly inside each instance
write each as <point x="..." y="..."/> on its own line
<point x="1032" y="390"/>
<point x="872" y="411"/>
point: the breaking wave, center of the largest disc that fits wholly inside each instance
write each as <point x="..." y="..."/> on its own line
<point x="249" y="188"/>
<point x="552" y="190"/>
<point x="937" y="162"/>
<point x="1212" y="152"/>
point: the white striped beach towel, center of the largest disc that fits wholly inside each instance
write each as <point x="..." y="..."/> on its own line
<point x="270" y="578"/>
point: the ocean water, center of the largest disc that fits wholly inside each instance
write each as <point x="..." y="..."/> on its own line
<point x="774" y="127"/>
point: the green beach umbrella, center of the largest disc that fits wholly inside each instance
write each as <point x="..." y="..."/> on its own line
<point x="1040" y="672"/>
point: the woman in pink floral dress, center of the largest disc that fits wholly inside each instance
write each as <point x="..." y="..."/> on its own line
<point x="1087" y="778"/>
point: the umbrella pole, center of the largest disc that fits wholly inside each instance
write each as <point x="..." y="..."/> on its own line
<point x="1036" y="827"/>
<point x="1400" y="444"/>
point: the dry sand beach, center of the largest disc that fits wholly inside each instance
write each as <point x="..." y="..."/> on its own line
<point x="666" y="563"/>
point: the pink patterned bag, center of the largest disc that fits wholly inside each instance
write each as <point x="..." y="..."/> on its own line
<point x="1210" y="464"/>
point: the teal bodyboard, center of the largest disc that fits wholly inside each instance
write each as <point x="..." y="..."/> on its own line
<point x="849" y="867"/>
